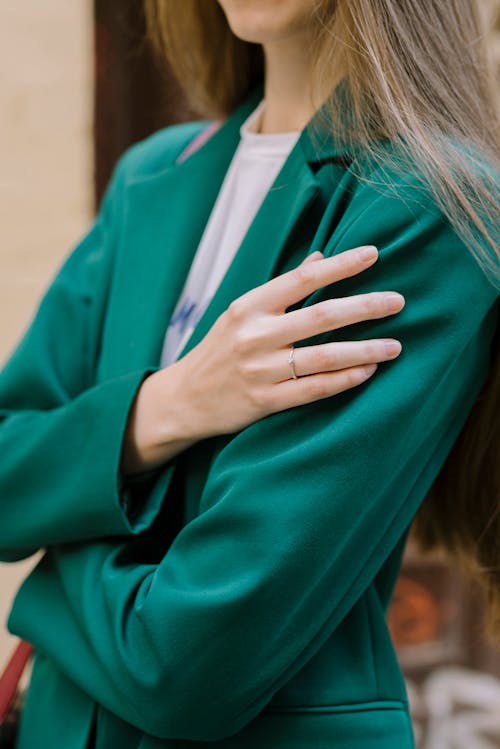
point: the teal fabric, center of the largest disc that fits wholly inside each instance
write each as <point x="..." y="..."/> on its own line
<point x="237" y="596"/>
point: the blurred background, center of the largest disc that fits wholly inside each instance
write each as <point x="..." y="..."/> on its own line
<point x="78" y="86"/>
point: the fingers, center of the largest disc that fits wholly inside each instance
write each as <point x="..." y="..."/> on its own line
<point x="332" y="314"/>
<point x="329" y="357"/>
<point x="291" y="287"/>
<point x="316" y="255"/>
<point x="291" y="393"/>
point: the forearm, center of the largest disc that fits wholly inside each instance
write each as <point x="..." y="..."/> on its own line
<point x="59" y="481"/>
<point x="144" y="631"/>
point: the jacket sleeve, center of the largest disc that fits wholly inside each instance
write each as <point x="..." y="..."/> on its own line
<point x="60" y="431"/>
<point x="298" y="513"/>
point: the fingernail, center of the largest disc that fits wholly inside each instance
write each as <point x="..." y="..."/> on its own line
<point x="370" y="369"/>
<point x="393" y="301"/>
<point x="368" y="253"/>
<point x="392" y="348"/>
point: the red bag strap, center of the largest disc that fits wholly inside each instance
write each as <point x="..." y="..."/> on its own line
<point x="9" y="680"/>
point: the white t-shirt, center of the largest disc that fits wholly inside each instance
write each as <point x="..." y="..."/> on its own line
<point x="253" y="169"/>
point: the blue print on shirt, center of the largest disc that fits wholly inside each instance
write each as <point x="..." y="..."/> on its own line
<point x="181" y="316"/>
<point x="184" y="315"/>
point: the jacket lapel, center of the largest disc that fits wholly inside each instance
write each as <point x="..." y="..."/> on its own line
<point x="292" y="193"/>
<point x="166" y="213"/>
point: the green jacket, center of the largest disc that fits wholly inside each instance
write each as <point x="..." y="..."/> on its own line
<point x="236" y="596"/>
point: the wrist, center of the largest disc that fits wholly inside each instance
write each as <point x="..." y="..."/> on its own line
<point x="167" y="409"/>
<point x="157" y="429"/>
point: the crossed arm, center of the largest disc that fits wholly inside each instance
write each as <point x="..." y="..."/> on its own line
<point x="298" y="512"/>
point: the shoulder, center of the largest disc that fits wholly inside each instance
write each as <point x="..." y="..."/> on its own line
<point x="158" y="150"/>
<point x="395" y="175"/>
<point x="396" y="195"/>
<point x="393" y="205"/>
<point x="154" y="153"/>
<point x="145" y="158"/>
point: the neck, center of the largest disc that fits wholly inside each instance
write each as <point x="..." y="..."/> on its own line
<point x="287" y="86"/>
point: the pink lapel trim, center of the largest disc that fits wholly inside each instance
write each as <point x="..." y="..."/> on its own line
<point x="199" y="140"/>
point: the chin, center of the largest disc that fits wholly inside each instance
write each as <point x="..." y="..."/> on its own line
<point x="262" y="21"/>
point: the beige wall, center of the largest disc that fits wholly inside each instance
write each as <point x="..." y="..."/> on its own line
<point x="46" y="168"/>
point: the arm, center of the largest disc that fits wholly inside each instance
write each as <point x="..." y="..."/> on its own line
<point x="60" y="432"/>
<point x="297" y="515"/>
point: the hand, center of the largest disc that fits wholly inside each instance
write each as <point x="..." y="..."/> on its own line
<point x="239" y="372"/>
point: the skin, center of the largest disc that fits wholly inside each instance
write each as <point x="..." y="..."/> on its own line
<point x="285" y="30"/>
<point x="239" y="371"/>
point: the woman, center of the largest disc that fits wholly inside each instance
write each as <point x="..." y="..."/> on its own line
<point x="222" y="534"/>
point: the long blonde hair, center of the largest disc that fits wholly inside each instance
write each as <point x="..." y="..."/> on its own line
<point x="422" y="71"/>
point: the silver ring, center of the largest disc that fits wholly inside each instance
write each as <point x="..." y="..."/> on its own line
<point x="291" y="362"/>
